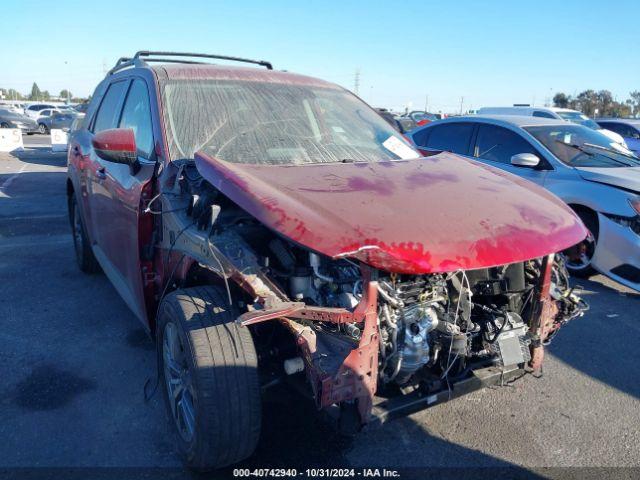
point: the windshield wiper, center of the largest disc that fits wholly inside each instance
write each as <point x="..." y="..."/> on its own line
<point x="573" y="145"/>
<point x="612" y="150"/>
<point x="586" y="152"/>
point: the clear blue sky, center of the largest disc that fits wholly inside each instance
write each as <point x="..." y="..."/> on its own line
<point x="490" y="53"/>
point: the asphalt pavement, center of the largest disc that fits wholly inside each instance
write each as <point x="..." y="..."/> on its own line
<point x="74" y="361"/>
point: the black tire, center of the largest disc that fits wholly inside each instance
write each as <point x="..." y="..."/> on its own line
<point x="42" y="129"/>
<point x="81" y="245"/>
<point x="219" y="373"/>
<point x="590" y="220"/>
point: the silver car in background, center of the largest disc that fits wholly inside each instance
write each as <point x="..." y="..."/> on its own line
<point x="597" y="177"/>
<point x="9" y="119"/>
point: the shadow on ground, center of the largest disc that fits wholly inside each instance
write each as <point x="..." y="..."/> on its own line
<point x="595" y="343"/>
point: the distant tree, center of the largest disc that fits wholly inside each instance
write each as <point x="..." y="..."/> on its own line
<point x="46" y="95"/>
<point x="587" y="102"/>
<point x="13" y="94"/>
<point x="36" y="94"/>
<point x="64" y="94"/>
<point x="560" y="100"/>
<point x="634" y="102"/>
<point x="605" y="104"/>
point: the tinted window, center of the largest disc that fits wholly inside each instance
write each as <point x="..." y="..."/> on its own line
<point x="454" y="137"/>
<point x="107" y="116"/>
<point x="136" y="115"/>
<point x="538" y="113"/>
<point x="45" y="113"/>
<point x="499" y="144"/>
<point x="621" y="129"/>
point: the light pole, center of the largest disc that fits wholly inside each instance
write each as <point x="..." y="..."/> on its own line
<point x="68" y="92"/>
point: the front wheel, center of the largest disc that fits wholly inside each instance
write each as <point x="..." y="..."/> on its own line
<point x="42" y="129"/>
<point x="210" y="375"/>
<point x="579" y="257"/>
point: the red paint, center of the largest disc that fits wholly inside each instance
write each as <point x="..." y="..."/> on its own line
<point x="436" y="214"/>
<point x="116" y="139"/>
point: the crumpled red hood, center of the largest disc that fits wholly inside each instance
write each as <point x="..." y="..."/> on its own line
<point x="435" y="214"/>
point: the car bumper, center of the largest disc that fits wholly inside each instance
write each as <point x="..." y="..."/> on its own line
<point x="403" y="405"/>
<point x="618" y="253"/>
<point x="28" y="128"/>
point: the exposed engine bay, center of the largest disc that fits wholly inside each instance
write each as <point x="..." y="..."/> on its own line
<point x="358" y="329"/>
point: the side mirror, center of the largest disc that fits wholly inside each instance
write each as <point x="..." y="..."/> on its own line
<point x="525" y="160"/>
<point x="117" y="145"/>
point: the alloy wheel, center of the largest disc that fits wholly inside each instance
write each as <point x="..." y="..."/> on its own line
<point x="179" y="383"/>
<point x="579" y="257"/>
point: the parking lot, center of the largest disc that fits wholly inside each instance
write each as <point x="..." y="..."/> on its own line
<point x="74" y="362"/>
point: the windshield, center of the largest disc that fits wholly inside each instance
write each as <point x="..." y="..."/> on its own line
<point x="272" y="123"/>
<point x="579" y="146"/>
<point x="580" y="119"/>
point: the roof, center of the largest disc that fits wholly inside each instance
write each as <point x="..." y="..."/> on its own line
<point x="629" y="121"/>
<point x="517" y="120"/>
<point x="178" y="71"/>
<point x="529" y="107"/>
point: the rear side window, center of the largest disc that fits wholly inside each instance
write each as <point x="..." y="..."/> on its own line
<point x="136" y="115"/>
<point x="454" y="137"/>
<point x="538" y="113"/>
<point x="108" y="113"/>
<point x="500" y="144"/>
<point x="621" y="129"/>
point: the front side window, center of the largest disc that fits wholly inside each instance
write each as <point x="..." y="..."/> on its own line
<point x="499" y="144"/>
<point x="275" y="123"/>
<point x="107" y="116"/>
<point x="453" y="137"/>
<point x="579" y="146"/>
<point x="136" y="114"/>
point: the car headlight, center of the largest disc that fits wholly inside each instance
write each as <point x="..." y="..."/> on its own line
<point x="631" y="222"/>
<point x="635" y="204"/>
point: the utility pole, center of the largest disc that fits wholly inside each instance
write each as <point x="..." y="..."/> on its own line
<point x="426" y="103"/>
<point x="461" y="103"/>
<point x="356" y="81"/>
<point x="68" y="99"/>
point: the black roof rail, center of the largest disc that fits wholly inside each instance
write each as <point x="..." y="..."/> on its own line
<point x="123" y="62"/>
<point x="144" y="54"/>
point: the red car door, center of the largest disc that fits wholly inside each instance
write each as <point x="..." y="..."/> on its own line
<point x="117" y="188"/>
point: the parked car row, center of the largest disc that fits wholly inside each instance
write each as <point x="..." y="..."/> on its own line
<point x="39" y="118"/>
<point x="315" y="247"/>
<point x="11" y="119"/>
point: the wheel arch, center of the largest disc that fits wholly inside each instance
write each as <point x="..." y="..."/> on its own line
<point x="588" y="216"/>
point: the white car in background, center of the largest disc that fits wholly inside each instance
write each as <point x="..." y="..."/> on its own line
<point x="567" y="114"/>
<point x="33" y="110"/>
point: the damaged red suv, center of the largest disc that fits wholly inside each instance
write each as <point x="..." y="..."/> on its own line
<point x="268" y="227"/>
